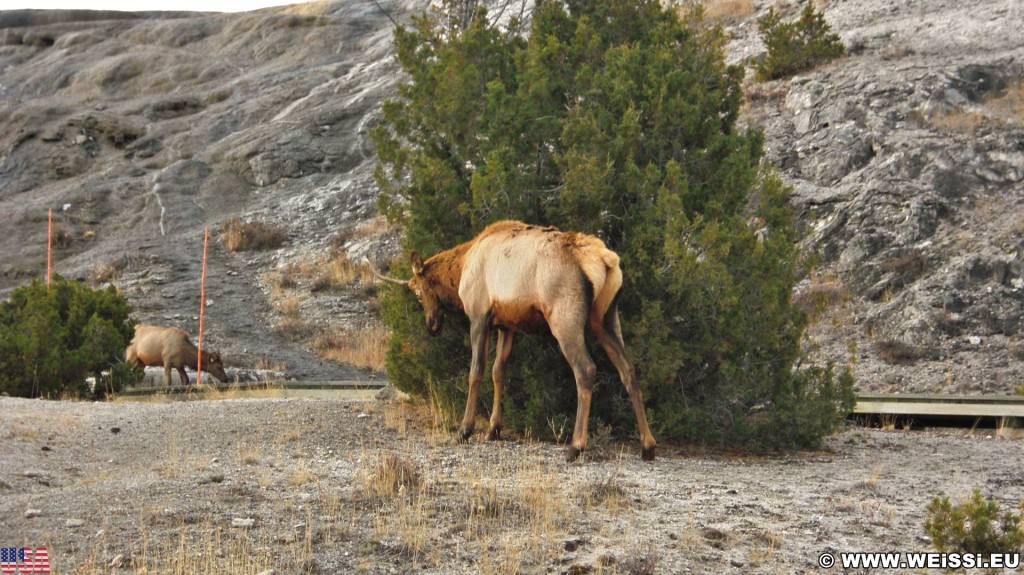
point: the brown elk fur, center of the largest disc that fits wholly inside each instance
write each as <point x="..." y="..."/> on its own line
<point x="515" y="277"/>
<point x="170" y="347"/>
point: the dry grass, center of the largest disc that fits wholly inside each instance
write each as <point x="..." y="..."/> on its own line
<point x="820" y="293"/>
<point x="959" y="121"/>
<point x="38" y="426"/>
<point x="296" y="285"/>
<point x="339" y="272"/>
<point x="895" y="352"/>
<point x="365" y="348"/>
<point x="389" y="476"/>
<point x="61" y="235"/>
<point x="105" y="272"/>
<point x="1003" y="109"/>
<point x="1008" y="107"/>
<point x="377" y="226"/>
<point x="728" y="11"/>
<point x="240" y="235"/>
<point x="301" y="474"/>
<point x="292" y="324"/>
<point x="249" y="453"/>
<point x="267" y="363"/>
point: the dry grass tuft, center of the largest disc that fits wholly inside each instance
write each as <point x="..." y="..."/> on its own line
<point x="1009" y="106"/>
<point x="643" y="559"/>
<point x="240" y="235"/>
<point x="249" y="453"/>
<point x="895" y="352"/>
<point x="301" y="475"/>
<point x="728" y="11"/>
<point x="1003" y="109"/>
<point x="390" y="476"/>
<point x="339" y="272"/>
<point x="365" y="348"/>
<point x="820" y="293"/>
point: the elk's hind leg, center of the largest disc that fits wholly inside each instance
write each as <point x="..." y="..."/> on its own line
<point x="504" y="348"/>
<point x="609" y="333"/>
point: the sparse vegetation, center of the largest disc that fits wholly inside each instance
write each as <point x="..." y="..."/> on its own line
<point x="794" y="47"/>
<point x="728" y="11"/>
<point x="893" y="351"/>
<point x="1003" y="108"/>
<point x="974" y="525"/>
<point x="338" y="272"/>
<point x="241" y="235"/>
<point x="365" y="348"/>
<point x="819" y="293"/>
<point x="329" y="486"/>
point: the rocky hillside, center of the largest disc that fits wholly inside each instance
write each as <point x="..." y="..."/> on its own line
<point x="907" y="162"/>
<point x="140" y="131"/>
<point x="906" y="158"/>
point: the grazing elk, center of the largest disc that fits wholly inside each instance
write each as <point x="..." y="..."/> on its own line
<point x="171" y="348"/>
<point x="516" y="277"/>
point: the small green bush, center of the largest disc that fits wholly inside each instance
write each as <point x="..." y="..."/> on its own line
<point x="974" y="526"/>
<point x="54" y="336"/>
<point x="794" y="47"/>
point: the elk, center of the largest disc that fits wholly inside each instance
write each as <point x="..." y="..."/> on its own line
<point x="519" y="278"/>
<point x="171" y="348"/>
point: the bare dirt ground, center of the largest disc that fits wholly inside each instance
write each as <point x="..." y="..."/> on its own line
<point x="272" y="485"/>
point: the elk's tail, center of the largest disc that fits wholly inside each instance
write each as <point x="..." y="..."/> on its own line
<point x="601" y="267"/>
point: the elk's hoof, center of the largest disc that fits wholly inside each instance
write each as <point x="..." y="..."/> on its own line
<point x="648" y="453"/>
<point x="494" y="434"/>
<point x="464" y="435"/>
<point x="572" y="454"/>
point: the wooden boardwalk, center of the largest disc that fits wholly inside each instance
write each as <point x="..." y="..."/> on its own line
<point x="942" y="410"/>
<point x="352" y="389"/>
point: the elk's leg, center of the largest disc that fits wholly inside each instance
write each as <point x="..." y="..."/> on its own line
<point x="610" y="335"/>
<point x="570" y="340"/>
<point x="184" y="376"/>
<point x="167" y="374"/>
<point x="479" y="335"/>
<point x="504" y="347"/>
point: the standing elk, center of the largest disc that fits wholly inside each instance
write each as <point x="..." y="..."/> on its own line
<point x="516" y="277"/>
<point x="170" y="347"/>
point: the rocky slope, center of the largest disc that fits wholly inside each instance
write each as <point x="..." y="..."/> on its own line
<point x="907" y="161"/>
<point x="906" y="158"/>
<point x="141" y="131"/>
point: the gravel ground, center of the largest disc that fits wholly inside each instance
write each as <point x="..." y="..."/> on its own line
<point x="271" y="485"/>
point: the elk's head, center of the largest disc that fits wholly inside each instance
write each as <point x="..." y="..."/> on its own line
<point x="213" y="364"/>
<point x="422" y="287"/>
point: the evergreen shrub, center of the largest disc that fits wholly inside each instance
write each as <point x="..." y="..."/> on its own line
<point x="798" y="46"/>
<point x="618" y="119"/>
<point x="52" y="337"/>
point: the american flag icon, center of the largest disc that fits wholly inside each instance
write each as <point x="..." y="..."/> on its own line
<point x="24" y="560"/>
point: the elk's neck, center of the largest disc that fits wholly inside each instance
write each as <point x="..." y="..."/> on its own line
<point x="446" y="272"/>
<point x="192" y="357"/>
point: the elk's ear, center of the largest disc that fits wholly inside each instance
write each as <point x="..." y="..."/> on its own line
<point x="417" y="262"/>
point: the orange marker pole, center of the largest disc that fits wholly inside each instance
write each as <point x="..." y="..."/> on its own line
<point x="202" y="308"/>
<point x="49" y="244"/>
